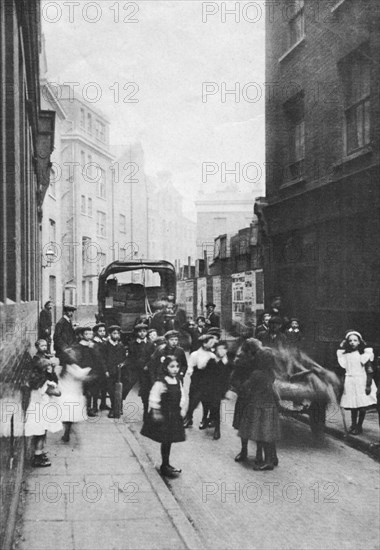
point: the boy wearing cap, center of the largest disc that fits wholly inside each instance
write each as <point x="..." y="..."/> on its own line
<point x="171" y="347"/>
<point x="141" y="351"/>
<point x="274" y="337"/>
<point x="212" y="319"/>
<point x="64" y="333"/>
<point x="115" y="356"/>
<point x="196" y="332"/>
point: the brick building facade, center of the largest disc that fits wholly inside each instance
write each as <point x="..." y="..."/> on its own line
<point x="320" y="227"/>
<point x="26" y="142"/>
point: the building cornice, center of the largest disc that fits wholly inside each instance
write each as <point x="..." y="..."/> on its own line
<point x="89" y="143"/>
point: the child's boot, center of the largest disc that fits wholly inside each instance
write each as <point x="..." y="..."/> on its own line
<point x="268" y="464"/>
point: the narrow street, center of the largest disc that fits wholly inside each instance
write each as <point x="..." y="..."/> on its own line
<point x="103" y="491"/>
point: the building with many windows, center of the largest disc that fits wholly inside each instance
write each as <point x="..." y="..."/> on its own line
<point x="86" y="194"/>
<point x="320" y="225"/>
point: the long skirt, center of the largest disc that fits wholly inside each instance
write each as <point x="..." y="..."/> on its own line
<point x="260" y="423"/>
<point x="169" y="430"/>
<point x="43" y="414"/>
<point x="240" y="405"/>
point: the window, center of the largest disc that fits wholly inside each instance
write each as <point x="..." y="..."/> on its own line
<point x="101" y="191"/>
<point x="355" y="72"/>
<point x="89" y="207"/>
<point x="82" y="118"/>
<point x="90" y="292"/>
<point x="82" y="159"/>
<point x="123" y="223"/>
<point x="52" y="231"/>
<point x="83" y="292"/>
<point x="295" y="113"/>
<point x="83" y="204"/>
<point x="86" y="242"/>
<point x="52" y="182"/>
<point x="89" y="123"/>
<point x="102" y="132"/>
<point x="296" y="15"/>
<point x="101" y="224"/>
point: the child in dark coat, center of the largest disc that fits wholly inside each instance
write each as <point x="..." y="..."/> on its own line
<point x="164" y="422"/>
<point x="260" y="419"/>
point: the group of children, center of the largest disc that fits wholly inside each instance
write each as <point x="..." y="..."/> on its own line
<point x="92" y="366"/>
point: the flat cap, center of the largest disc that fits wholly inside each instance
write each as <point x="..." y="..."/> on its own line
<point x="98" y="326"/>
<point x="141" y="326"/>
<point x="114" y="327"/>
<point x="171" y="334"/>
<point x="69" y="307"/>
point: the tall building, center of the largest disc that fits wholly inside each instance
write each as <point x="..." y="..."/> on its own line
<point x="321" y="222"/>
<point x="86" y="188"/>
<point x="26" y="142"/>
<point x="225" y="211"/>
<point x="51" y="209"/>
<point x="148" y="213"/>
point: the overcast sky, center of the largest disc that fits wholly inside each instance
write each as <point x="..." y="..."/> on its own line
<point x="168" y="53"/>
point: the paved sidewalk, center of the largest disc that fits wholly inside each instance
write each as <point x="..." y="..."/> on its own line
<point x="100" y="493"/>
<point x="367" y="442"/>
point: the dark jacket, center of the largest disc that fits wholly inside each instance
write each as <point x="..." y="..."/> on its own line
<point x="195" y="334"/>
<point x="44" y="324"/>
<point x="258" y="389"/>
<point x="274" y="340"/>
<point x="64" y="336"/>
<point x="39" y="373"/>
<point x="261" y="331"/>
<point x="214" y="320"/>
<point x="115" y="355"/>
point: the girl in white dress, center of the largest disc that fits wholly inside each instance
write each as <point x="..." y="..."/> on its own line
<point x="359" y="389"/>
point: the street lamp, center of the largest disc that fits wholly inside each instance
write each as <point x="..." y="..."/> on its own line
<point x="49" y="256"/>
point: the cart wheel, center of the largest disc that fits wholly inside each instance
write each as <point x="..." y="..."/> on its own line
<point x="317" y="415"/>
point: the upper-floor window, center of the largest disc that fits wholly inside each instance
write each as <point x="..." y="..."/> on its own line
<point x="101" y="224"/>
<point x="82" y="159"/>
<point x="295" y="114"/>
<point x="100" y="130"/>
<point x="101" y="183"/>
<point x="296" y="26"/>
<point x="355" y="70"/>
<point x="52" y="231"/>
<point x="90" y="292"/>
<point x="89" y="207"/>
<point x="82" y="118"/>
<point x="83" y="204"/>
<point x="123" y="223"/>
<point x="89" y="123"/>
<point x="52" y="181"/>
